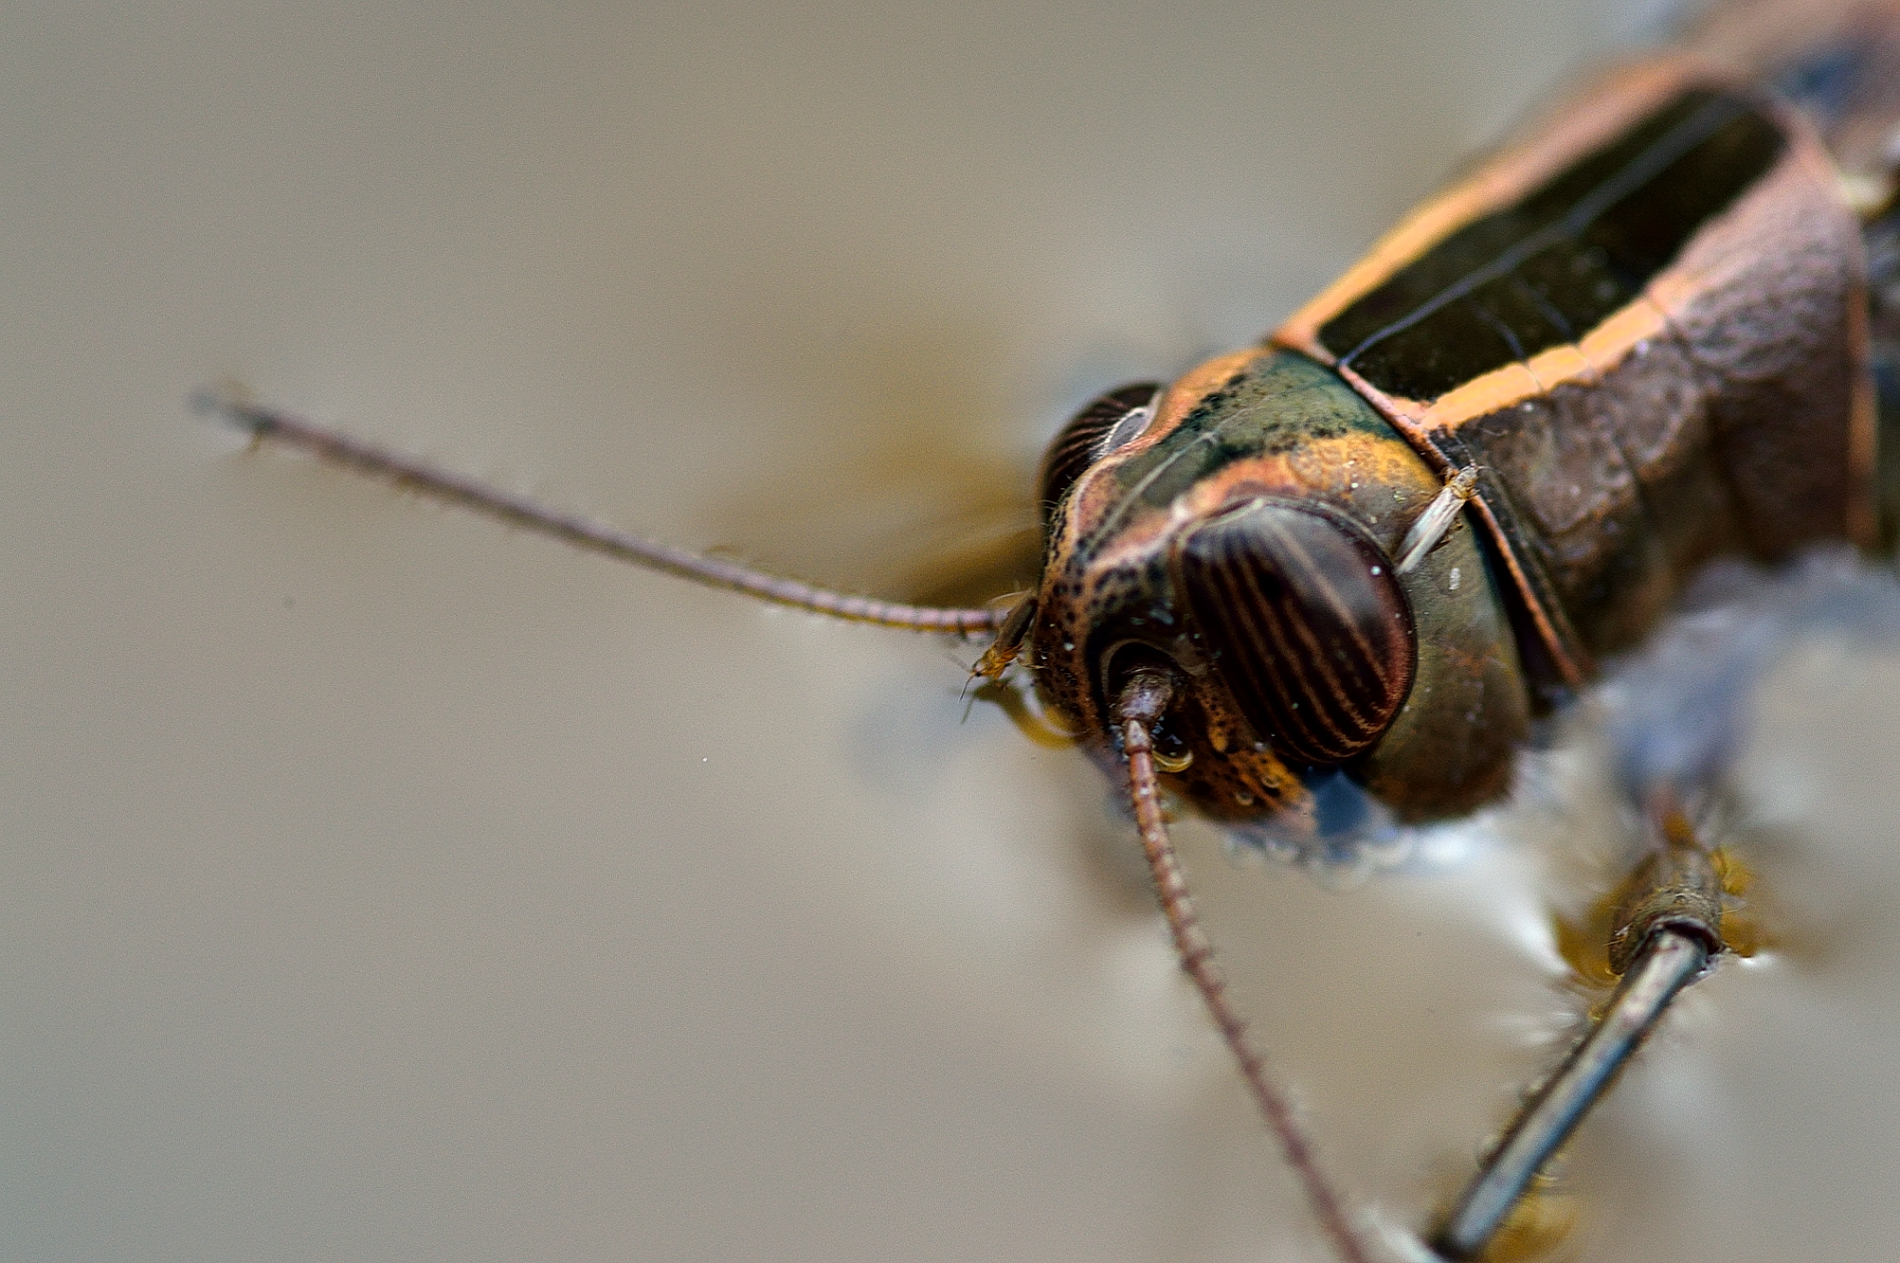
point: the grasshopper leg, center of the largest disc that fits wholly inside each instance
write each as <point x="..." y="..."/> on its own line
<point x="1666" y="932"/>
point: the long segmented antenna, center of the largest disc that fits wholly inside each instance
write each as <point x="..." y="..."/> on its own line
<point x="407" y="471"/>
<point x="1142" y="703"/>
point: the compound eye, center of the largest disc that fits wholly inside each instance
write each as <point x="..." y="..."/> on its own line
<point x="1305" y="624"/>
<point x="1108" y="422"/>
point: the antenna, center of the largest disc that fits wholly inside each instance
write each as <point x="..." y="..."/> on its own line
<point x="267" y="425"/>
<point x="1142" y="703"/>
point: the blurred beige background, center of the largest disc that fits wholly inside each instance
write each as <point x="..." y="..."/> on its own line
<point x="379" y="884"/>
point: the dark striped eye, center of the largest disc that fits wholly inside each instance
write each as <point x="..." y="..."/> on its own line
<point x="1305" y="623"/>
<point x="1107" y="423"/>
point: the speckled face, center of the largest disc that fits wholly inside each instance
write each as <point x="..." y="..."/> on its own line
<point x="1241" y="524"/>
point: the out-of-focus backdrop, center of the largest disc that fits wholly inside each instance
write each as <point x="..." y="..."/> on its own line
<point x="379" y="884"/>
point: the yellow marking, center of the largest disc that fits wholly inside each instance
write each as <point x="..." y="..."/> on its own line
<point x="1187" y="393"/>
<point x="1622" y="331"/>
<point x="1601" y="350"/>
<point x="1585" y="122"/>
<point x="1645" y="317"/>
<point x="1560" y="364"/>
<point x="1412" y="237"/>
<point x="1481" y="396"/>
<point x="1673" y="292"/>
<point x="1100" y="506"/>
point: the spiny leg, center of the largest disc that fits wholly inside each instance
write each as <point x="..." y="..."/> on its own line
<point x="1666" y="931"/>
<point x="407" y="471"/>
<point x="1141" y="704"/>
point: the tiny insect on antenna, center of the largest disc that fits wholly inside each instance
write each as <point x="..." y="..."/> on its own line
<point x="1009" y="640"/>
<point x="267" y="425"/>
<point x="1141" y="704"/>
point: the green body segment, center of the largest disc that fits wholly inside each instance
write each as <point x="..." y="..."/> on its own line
<point x="1281" y="404"/>
<point x="1278" y="427"/>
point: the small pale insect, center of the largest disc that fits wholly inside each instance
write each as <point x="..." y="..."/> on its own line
<point x="1197" y="657"/>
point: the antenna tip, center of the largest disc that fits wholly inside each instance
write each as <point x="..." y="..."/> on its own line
<point x="227" y="400"/>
